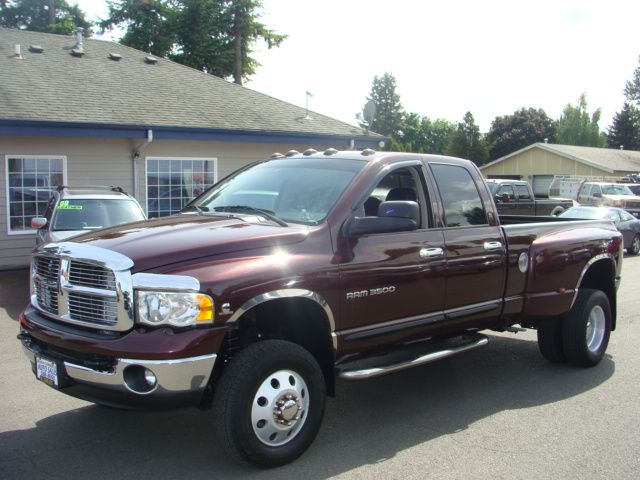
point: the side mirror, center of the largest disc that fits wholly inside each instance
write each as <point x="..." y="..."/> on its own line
<point x="38" y="222"/>
<point x="393" y="216"/>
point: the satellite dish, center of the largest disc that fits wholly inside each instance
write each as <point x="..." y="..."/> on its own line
<point x="369" y="112"/>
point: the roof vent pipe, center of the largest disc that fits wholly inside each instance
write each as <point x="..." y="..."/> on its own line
<point x="79" y="38"/>
<point x="18" y="53"/>
<point x="621" y="147"/>
<point x="546" y="140"/>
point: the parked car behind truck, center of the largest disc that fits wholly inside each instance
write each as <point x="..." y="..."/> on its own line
<point x="258" y="309"/>
<point x="597" y="193"/>
<point x="515" y="197"/>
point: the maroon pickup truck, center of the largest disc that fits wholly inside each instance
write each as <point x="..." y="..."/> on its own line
<point x="303" y="269"/>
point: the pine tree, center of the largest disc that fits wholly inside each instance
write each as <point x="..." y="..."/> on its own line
<point x="467" y="142"/>
<point x="625" y="130"/>
<point x="389" y="113"/>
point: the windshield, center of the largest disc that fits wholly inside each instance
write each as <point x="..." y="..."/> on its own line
<point x="294" y="190"/>
<point x="492" y="187"/>
<point x="90" y="214"/>
<point x="635" y="189"/>
<point x="616" y="190"/>
<point x="586" y="213"/>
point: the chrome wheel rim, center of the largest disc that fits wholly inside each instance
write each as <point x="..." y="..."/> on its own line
<point x="595" y="328"/>
<point x="280" y="408"/>
<point x="635" y="246"/>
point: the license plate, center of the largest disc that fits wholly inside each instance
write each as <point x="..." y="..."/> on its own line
<point x="47" y="371"/>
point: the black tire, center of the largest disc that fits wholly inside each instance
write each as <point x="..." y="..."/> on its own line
<point x="556" y="211"/>
<point x="259" y="368"/>
<point x="550" y="340"/>
<point x="634" y="248"/>
<point x="587" y="328"/>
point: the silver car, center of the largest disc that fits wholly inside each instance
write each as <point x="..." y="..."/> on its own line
<point x="72" y="211"/>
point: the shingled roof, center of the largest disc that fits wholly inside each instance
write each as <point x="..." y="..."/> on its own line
<point x="608" y="159"/>
<point x="56" y="86"/>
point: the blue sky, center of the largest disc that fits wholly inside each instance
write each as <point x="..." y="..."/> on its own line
<point x="491" y="57"/>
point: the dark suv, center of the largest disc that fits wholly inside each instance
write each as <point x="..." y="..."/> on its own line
<point x="74" y="210"/>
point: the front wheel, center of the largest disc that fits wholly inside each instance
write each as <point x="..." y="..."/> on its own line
<point x="269" y="403"/>
<point x="586" y="328"/>
<point x="634" y="249"/>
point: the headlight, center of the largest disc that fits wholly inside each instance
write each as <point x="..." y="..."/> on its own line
<point x="179" y="309"/>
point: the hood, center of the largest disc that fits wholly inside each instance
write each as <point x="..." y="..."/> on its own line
<point x="621" y="198"/>
<point x="59" y="236"/>
<point x="154" y="243"/>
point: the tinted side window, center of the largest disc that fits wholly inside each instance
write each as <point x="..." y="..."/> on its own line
<point x="460" y="197"/>
<point x="596" y="190"/>
<point x="523" y="192"/>
<point x="506" y="189"/>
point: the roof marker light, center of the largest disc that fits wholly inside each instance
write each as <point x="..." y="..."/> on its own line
<point x="309" y="151"/>
<point x="291" y="153"/>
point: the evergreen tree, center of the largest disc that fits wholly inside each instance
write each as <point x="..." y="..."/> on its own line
<point x="52" y="16"/>
<point x="625" y="129"/>
<point x="467" y="142"/>
<point x="215" y="36"/>
<point x="577" y="127"/>
<point x="389" y="114"/>
<point x="632" y="88"/>
<point x="151" y="25"/>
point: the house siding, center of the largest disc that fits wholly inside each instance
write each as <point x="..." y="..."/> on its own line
<point x="91" y="161"/>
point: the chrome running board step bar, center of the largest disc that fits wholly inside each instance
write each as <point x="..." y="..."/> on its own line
<point x="409" y="356"/>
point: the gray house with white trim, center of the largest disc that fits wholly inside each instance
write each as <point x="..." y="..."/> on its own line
<point x="100" y="113"/>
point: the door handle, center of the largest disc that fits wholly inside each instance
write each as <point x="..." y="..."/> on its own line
<point x="492" y="245"/>
<point x="431" y="252"/>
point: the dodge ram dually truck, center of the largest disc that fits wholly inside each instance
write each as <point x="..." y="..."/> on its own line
<point x="303" y="269"/>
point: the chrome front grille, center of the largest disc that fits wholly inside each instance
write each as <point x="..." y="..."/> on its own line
<point x="69" y="287"/>
<point x="47" y="268"/>
<point x="87" y="275"/>
<point x="47" y="296"/>
<point x="92" y="308"/>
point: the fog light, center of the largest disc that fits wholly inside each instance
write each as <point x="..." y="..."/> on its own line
<point x="150" y="377"/>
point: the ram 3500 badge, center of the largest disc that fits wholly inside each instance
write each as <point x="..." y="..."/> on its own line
<point x="299" y="271"/>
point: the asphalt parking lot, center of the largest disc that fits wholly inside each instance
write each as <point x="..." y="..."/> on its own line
<point x="496" y="412"/>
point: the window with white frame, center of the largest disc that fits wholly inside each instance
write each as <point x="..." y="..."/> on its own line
<point x="172" y="182"/>
<point x="30" y="183"/>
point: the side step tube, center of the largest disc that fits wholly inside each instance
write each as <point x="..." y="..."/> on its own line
<point x="472" y="341"/>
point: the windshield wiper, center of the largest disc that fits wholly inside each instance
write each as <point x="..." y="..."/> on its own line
<point x="260" y="211"/>
<point x="200" y="209"/>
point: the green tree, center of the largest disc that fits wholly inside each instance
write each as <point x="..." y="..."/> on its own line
<point x="510" y="133"/>
<point x="467" y="142"/>
<point x="625" y="129"/>
<point x="632" y="88"/>
<point x="389" y="116"/>
<point x="151" y="25"/>
<point x="50" y="16"/>
<point x="423" y="135"/>
<point x="215" y="36"/>
<point x="247" y="30"/>
<point x="577" y="127"/>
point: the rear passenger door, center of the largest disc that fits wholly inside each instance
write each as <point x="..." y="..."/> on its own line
<point x="525" y="203"/>
<point x="474" y="245"/>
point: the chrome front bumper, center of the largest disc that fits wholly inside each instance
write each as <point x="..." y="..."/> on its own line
<point x="174" y="378"/>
